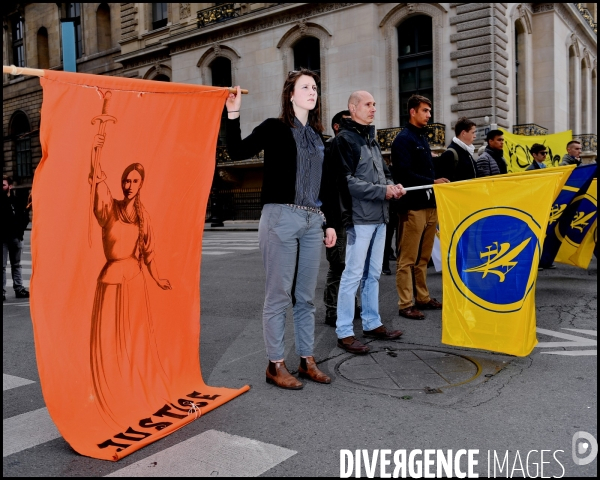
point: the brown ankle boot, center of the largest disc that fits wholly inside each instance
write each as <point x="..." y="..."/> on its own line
<point x="277" y="374"/>
<point x="308" y="369"/>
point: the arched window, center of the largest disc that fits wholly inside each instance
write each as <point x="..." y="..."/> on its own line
<point x="220" y="69"/>
<point x="43" y="51"/>
<point x="161" y="77"/>
<point x="19" y="131"/>
<point x="159" y="15"/>
<point x="74" y="14"/>
<point x="572" y="89"/>
<point x="415" y="61"/>
<point x="520" y="68"/>
<point x="307" y="54"/>
<point x="103" y="27"/>
<point x="18" y="46"/>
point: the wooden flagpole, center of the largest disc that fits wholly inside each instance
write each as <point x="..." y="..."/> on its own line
<point x="36" y="72"/>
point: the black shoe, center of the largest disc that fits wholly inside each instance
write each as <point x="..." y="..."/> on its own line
<point x="22" y="293"/>
<point x="330" y="321"/>
<point x="386" y="271"/>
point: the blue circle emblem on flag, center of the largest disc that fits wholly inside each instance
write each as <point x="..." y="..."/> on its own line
<point x="493" y="258"/>
<point x="583" y="217"/>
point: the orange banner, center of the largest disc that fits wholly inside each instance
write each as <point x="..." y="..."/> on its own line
<point x="119" y="199"/>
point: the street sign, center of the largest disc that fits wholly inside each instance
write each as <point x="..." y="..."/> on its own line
<point x="482" y="131"/>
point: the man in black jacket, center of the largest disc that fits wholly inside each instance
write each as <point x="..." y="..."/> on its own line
<point x="15" y="218"/>
<point x="412" y="164"/>
<point x="457" y="162"/>
<point x="336" y="255"/>
<point x="365" y="189"/>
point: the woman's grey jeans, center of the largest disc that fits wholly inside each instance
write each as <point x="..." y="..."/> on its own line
<point x="291" y="241"/>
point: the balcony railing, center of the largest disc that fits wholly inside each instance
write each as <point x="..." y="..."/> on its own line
<point x="589" y="141"/>
<point x="529" y="129"/>
<point x="223" y="157"/>
<point x="589" y="18"/>
<point x="436" y="136"/>
<point x="227" y="11"/>
<point x="219" y="13"/>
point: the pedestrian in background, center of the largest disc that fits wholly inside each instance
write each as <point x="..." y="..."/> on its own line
<point x="296" y="185"/>
<point x="15" y="218"/>
<point x="366" y="187"/>
<point x="492" y="161"/>
<point x="539" y="153"/>
<point x="457" y="162"/>
<point x="412" y="164"/>
<point x="336" y="255"/>
<point x="573" y="155"/>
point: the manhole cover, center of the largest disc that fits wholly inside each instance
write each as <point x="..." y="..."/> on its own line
<point x="416" y="369"/>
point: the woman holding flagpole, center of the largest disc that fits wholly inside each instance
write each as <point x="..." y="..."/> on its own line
<point x="299" y="215"/>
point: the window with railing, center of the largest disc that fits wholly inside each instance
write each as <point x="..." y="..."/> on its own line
<point x="73" y="13"/>
<point x="18" y="47"/>
<point x="415" y="62"/>
<point x="159" y="15"/>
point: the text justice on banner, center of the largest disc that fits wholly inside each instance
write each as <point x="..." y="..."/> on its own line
<point x="115" y="297"/>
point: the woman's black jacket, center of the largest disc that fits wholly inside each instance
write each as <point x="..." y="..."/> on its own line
<point x="275" y="138"/>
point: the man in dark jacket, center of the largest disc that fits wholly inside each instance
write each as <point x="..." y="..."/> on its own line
<point x="412" y="164"/>
<point x="457" y="162"/>
<point x="573" y="155"/>
<point x="336" y="255"/>
<point x="15" y="218"/>
<point x="491" y="161"/>
<point x="365" y="188"/>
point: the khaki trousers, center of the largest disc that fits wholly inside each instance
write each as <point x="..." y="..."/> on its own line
<point x="416" y="244"/>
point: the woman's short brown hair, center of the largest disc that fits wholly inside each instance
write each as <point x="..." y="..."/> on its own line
<point x="287" y="109"/>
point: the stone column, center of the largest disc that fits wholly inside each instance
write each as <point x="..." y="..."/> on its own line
<point x="482" y="58"/>
<point x="576" y="105"/>
<point x="586" y="100"/>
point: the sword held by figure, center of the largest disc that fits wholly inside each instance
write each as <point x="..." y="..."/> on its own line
<point x="103" y="120"/>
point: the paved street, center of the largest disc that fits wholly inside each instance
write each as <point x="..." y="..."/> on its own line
<point x="413" y="393"/>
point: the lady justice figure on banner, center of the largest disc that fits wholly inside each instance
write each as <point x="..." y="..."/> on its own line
<point x="121" y="326"/>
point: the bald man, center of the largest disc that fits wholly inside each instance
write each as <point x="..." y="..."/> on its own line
<point x="366" y="187"/>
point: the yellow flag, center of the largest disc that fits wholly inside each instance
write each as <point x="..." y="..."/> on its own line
<point x="579" y="239"/>
<point x="564" y="170"/>
<point x="518" y="156"/>
<point x="491" y="235"/>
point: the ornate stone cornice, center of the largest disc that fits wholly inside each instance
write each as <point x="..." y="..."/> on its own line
<point x="261" y="23"/>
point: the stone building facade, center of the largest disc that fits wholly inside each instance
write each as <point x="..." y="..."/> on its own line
<point x="527" y="67"/>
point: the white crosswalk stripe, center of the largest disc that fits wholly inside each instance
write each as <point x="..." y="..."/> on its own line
<point x="211" y="453"/>
<point x="223" y="243"/>
<point x="10" y="381"/>
<point x="27" y="430"/>
<point x="212" y="244"/>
